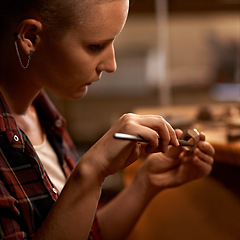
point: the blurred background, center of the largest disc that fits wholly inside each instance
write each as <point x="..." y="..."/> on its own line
<point x="169" y="53"/>
<point x="180" y="59"/>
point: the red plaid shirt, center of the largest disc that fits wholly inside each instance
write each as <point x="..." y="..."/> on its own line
<point x="26" y="192"/>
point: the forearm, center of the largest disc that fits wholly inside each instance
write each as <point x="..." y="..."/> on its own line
<point x="119" y="216"/>
<point x="73" y="213"/>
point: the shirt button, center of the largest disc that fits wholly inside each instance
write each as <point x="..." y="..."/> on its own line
<point x="55" y="190"/>
<point x="58" y="123"/>
<point x="16" y="138"/>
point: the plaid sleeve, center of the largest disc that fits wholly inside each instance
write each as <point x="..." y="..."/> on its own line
<point x="9" y="217"/>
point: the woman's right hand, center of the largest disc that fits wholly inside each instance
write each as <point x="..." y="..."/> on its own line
<point x="109" y="155"/>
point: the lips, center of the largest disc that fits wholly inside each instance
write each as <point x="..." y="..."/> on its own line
<point x="88" y="84"/>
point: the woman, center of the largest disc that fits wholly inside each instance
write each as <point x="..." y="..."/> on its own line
<point x="65" y="46"/>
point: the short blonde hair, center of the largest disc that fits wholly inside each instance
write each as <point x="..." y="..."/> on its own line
<point x="56" y="15"/>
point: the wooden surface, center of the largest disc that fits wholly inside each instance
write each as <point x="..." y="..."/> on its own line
<point x="204" y="209"/>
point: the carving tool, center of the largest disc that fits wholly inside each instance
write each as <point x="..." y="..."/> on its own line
<point x="129" y="137"/>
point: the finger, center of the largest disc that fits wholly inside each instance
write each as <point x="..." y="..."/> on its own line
<point x="150" y="128"/>
<point x="141" y="125"/>
<point x="151" y="136"/>
<point x="178" y="132"/>
<point x="165" y="131"/>
<point x="172" y="137"/>
<point x="204" y="168"/>
<point x="206" y="148"/>
<point x="202" y="136"/>
<point x="203" y="157"/>
<point x="159" y="124"/>
<point x="166" y="134"/>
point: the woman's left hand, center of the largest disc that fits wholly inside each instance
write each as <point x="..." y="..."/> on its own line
<point x="176" y="166"/>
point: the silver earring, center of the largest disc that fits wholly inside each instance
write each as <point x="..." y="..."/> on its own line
<point x="19" y="57"/>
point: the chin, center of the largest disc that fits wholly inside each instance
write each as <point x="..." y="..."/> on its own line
<point x="72" y="95"/>
<point x="81" y="93"/>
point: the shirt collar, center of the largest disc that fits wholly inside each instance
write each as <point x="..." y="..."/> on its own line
<point x="48" y="115"/>
<point x="9" y="125"/>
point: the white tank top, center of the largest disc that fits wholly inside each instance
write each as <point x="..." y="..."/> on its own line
<point x="50" y="162"/>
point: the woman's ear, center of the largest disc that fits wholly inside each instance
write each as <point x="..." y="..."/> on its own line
<point x="28" y="35"/>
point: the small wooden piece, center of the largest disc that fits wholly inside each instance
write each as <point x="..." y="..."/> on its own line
<point x="190" y="134"/>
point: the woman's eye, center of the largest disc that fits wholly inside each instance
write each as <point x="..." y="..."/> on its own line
<point x="96" y="47"/>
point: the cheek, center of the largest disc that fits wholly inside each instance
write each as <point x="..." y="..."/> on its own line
<point x="69" y="66"/>
<point x="64" y="68"/>
<point x="77" y="62"/>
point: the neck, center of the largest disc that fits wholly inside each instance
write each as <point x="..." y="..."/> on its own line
<point x="18" y="94"/>
<point x="19" y="97"/>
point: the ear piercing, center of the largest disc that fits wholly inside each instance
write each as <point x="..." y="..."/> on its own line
<point x="17" y="37"/>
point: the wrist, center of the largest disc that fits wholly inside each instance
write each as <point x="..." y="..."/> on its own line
<point x="142" y="185"/>
<point x="147" y="184"/>
<point x="89" y="169"/>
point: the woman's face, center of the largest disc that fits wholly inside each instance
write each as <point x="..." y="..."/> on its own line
<point x="69" y="65"/>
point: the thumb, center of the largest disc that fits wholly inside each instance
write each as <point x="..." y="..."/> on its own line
<point x="173" y="151"/>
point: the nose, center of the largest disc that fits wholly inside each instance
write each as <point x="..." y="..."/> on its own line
<point x="108" y="63"/>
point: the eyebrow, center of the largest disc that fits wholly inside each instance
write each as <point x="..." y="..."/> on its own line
<point x="103" y="41"/>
